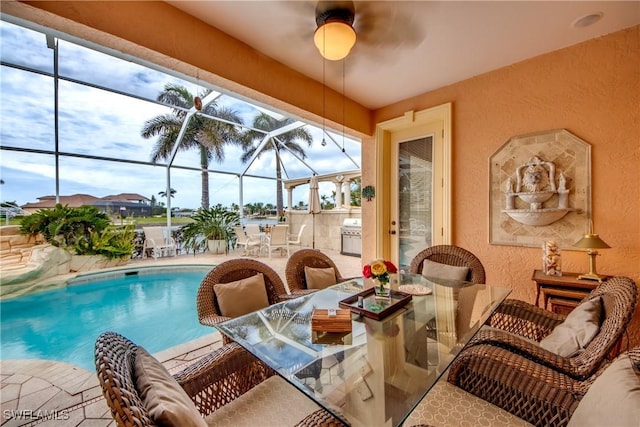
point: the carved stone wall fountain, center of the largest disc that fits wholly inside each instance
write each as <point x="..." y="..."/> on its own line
<point x="535" y="185"/>
<point x="540" y="189"/>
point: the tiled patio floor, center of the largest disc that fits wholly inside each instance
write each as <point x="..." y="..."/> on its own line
<point x="50" y="394"/>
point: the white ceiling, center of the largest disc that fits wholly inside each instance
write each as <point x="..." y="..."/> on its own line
<point x="406" y="48"/>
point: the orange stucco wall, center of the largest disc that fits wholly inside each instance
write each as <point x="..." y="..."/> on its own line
<point x="591" y="89"/>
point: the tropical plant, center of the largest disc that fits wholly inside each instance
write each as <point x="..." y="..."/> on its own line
<point x="172" y="191"/>
<point x="114" y="243"/>
<point x="289" y="139"/>
<point x="204" y="134"/>
<point x="84" y="230"/>
<point x="210" y="224"/>
<point x="325" y="203"/>
<point x="356" y="192"/>
<point x="66" y="227"/>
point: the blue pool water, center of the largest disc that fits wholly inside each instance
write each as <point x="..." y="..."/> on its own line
<point x="153" y="308"/>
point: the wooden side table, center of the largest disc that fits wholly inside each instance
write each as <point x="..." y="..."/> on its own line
<point x="563" y="292"/>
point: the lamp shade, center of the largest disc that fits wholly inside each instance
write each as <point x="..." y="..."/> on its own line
<point x="591" y="241"/>
<point x="334" y="39"/>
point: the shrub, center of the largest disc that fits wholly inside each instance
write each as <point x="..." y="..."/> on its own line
<point x="84" y="230"/>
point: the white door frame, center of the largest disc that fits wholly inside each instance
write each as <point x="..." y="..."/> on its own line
<point x="385" y="188"/>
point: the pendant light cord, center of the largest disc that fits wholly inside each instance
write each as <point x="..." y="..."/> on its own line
<point x="343" y="99"/>
<point x="324" y="84"/>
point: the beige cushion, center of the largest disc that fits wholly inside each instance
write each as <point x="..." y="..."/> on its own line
<point x="612" y="400"/>
<point x="578" y="329"/>
<point x="167" y="402"/>
<point x="242" y="296"/>
<point x="319" y="278"/>
<point x="450" y="406"/>
<point x="273" y="402"/>
<point x="444" y="271"/>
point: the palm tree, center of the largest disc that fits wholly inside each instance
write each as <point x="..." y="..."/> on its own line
<point x="172" y="191"/>
<point x="207" y="135"/>
<point x="326" y="204"/>
<point x="356" y="192"/>
<point x="289" y="139"/>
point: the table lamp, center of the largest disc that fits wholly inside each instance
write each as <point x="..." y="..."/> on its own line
<point x="591" y="242"/>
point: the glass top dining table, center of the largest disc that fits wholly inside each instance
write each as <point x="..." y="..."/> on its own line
<point x="376" y="374"/>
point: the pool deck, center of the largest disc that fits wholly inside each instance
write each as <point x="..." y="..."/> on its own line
<point x="48" y="393"/>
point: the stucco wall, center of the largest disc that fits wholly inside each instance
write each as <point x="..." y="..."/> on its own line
<point x="591" y="89"/>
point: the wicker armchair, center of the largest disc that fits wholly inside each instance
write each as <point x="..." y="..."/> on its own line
<point x="294" y="271"/>
<point x="209" y="313"/>
<point x="528" y="390"/>
<point x="519" y="326"/>
<point x="450" y="255"/>
<point x="228" y="376"/>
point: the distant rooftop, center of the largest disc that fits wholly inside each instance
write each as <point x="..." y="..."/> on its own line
<point x="76" y="200"/>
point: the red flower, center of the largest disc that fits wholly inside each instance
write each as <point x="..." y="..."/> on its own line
<point x="366" y="271"/>
<point x="390" y="267"/>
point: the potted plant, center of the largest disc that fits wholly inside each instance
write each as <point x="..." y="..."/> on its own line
<point x="211" y="227"/>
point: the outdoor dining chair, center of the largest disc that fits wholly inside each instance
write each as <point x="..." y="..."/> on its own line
<point x="307" y="265"/>
<point x="277" y="239"/>
<point x="157" y="243"/>
<point x="230" y="288"/>
<point x="252" y="230"/>
<point x="251" y="244"/>
<point x="226" y="387"/>
<point x="461" y="261"/>
<point x="298" y="239"/>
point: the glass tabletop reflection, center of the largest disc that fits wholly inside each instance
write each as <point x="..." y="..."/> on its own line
<point x="377" y="374"/>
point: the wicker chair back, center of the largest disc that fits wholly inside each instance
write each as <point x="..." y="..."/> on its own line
<point x="294" y="270"/>
<point x="450" y="255"/>
<point x="114" y="357"/>
<point x="229" y="271"/>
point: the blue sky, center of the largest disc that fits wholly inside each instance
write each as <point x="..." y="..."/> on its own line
<point x="100" y="123"/>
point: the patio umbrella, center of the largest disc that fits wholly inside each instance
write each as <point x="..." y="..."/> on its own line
<point x="314" y="205"/>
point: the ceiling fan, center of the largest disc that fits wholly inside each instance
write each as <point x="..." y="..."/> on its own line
<point x="366" y="26"/>
<point x="335" y="35"/>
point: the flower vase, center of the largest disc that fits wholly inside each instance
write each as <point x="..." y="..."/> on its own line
<point x="381" y="288"/>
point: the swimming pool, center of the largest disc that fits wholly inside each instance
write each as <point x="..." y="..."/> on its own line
<point x="155" y="308"/>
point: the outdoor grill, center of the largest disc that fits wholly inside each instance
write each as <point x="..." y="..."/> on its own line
<point x="351" y="232"/>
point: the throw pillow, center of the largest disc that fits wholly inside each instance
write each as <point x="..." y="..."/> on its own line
<point x="612" y="400"/>
<point x="319" y="278"/>
<point x="576" y="332"/>
<point x="167" y="403"/>
<point x="437" y="270"/>
<point x="242" y="296"/>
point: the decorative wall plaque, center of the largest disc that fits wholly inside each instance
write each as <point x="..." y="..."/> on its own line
<point x="540" y="189"/>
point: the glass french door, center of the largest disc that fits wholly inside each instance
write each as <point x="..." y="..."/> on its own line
<point x="414" y="211"/>
<point x="416" y="201"/>
<point x="414" y="195"/>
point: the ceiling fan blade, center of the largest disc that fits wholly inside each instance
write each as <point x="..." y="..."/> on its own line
<point x="383" y="25"/>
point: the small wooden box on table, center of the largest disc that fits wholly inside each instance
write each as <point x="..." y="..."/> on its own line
<point x="322" y="321"/>
<point x="562" y="293"/>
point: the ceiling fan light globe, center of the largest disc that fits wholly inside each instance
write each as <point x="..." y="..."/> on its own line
<point x="334" y="40"/>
